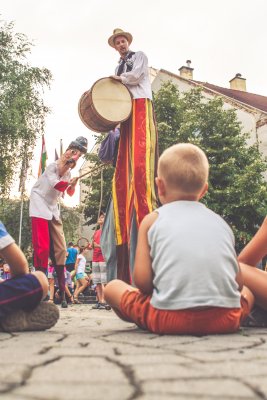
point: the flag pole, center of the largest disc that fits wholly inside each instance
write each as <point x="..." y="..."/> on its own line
<point x="23" y="177"/>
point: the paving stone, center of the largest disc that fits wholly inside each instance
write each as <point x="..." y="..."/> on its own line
<point x="93" y="355"/>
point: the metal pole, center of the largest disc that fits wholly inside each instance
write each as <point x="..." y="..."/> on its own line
<point x="20" y="221"/>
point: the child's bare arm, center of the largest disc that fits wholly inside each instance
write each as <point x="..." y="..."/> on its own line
<point x="256" y="249"/>
<point x="239" y="279"/>
<point x="15" y="259"/>
<point x="143" y="273"/>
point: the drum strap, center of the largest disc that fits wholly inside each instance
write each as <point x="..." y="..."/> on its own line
<point x="129" y="63"/>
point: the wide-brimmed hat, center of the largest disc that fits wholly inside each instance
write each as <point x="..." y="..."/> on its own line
<point x="119" y="32"/>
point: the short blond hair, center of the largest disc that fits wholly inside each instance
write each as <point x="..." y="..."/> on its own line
<point x="184" y="167"/>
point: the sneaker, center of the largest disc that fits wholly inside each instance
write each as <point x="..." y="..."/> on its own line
<point x="96" y="306"/>
<point x="44" y="316"/>
<point x="256" y="319"/>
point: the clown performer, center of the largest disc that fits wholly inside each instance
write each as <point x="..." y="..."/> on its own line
<point x="47" y="231"/>
<point x="133" y="186"/>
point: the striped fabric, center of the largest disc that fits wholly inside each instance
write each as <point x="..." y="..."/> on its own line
<point x="133" y="186"/>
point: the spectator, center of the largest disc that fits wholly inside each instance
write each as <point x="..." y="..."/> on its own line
<point x="99" y="267"/>
<point x="21" y="308"/>
<point x="72" y="254"/>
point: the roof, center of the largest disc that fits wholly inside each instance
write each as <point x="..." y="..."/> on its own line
<point x="251" y="99"/>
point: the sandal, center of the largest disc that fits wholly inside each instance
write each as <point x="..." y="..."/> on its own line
<point x="51" y="301"/>
<point x="76" y="301"/>
<point x="70" y="299"/>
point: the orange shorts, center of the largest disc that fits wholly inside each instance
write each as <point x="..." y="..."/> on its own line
<point x="136" y="307"/>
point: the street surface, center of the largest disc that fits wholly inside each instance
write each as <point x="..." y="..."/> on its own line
<point x="91" y="355"/>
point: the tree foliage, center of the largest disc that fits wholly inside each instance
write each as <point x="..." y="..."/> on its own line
<point x="237" y="190"/>
<point x="22" y="110"/>
<point x="97" y="198"/>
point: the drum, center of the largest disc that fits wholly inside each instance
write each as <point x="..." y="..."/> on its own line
<point x="105" y="105"/>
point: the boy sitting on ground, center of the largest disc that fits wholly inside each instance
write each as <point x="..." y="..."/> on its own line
<point x="186" y="269"/>
<point x="21" y="308"/>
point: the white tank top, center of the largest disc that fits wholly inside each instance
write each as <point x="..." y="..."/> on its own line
<point x="193" y="258"/>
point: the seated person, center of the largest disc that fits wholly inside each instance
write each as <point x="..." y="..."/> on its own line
<point x="21" y="306"/>
<point x="186" y="271"/>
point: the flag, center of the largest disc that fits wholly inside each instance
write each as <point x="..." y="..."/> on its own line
<point x="43" y="159"/>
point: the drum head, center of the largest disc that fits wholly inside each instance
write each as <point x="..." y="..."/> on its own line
<point x="112" y="100"/>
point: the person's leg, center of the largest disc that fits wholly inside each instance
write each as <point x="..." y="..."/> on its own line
<point x="42" y="281"/>
<point x="100" y="293"/>
<point x="113" y="293"/>
<point x="40" y="242"/>
<point x="255" y="280"/>
<point x="21" y="308"/>
<point x="51" y="282"/>
<point x="58" y="255"/>
<point x="82" y="286"/>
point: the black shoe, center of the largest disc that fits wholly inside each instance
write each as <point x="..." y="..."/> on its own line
<point x="64" y="304"/>
<point x="256" y="319"/>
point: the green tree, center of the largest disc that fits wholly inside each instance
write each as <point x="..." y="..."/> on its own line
<point x="99" y="188"/>
<point x="237" y="190"/>
<point x="71" y="218"/>
<point x="10" y="215"/>
<point x="22" y="110"/>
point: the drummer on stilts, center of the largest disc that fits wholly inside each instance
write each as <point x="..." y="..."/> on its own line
<point x="133" y="186"/>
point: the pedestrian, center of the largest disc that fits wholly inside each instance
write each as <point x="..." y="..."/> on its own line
<point x="47" y="230"/>
<point x="81" y="281"/>
<point x="186" y="273"/>
<point x="99" y="267"/>
<point x="21" y="306"/>
<point x="72" y="254"/>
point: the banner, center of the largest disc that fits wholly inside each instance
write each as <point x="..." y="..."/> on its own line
<point x="43" y="159"/>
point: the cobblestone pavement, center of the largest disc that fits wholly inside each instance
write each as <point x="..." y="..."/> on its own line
<point x="91" y="354"/>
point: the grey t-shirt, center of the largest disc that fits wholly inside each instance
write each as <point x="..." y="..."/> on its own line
<point x="193" y="258"/>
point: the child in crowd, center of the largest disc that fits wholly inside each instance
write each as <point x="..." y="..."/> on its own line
<point x="21" y="308"/>
<point x="72" y="254"/>
<point x="81" y="281"/>
<point x="186" y="268"/>
<point x="51" y="280"/>
<point x="99" y="267"/>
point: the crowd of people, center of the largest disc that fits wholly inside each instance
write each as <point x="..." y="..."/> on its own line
<point x="174" y="265"/>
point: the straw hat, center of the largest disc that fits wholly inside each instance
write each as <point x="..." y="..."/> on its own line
<point x="119" y="32"/>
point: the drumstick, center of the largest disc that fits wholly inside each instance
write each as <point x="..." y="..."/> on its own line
<point x="92" y="170"/>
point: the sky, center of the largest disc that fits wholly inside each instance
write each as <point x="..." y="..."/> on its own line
<point x="221" y="38"/>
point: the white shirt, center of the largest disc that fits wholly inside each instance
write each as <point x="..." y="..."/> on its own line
<point x="137" y="80"/>
<point x="44" y="197"/>
<point x="81" y="264"/>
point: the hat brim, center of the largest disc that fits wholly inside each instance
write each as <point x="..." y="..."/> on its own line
<point x="125" y="34"/>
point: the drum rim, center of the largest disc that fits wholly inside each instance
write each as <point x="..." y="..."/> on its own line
<point x="89" y="91"/>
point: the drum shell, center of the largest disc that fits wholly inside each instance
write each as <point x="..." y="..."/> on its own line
<point x="91" y="117"/>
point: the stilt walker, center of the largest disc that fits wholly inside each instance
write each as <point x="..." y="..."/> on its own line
<point x="133" y="187"/>
<point x="47" y="231"/>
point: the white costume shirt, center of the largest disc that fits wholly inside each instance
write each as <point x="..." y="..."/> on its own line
<point x="137" y="80"/>
<point x="44" y="197"/>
